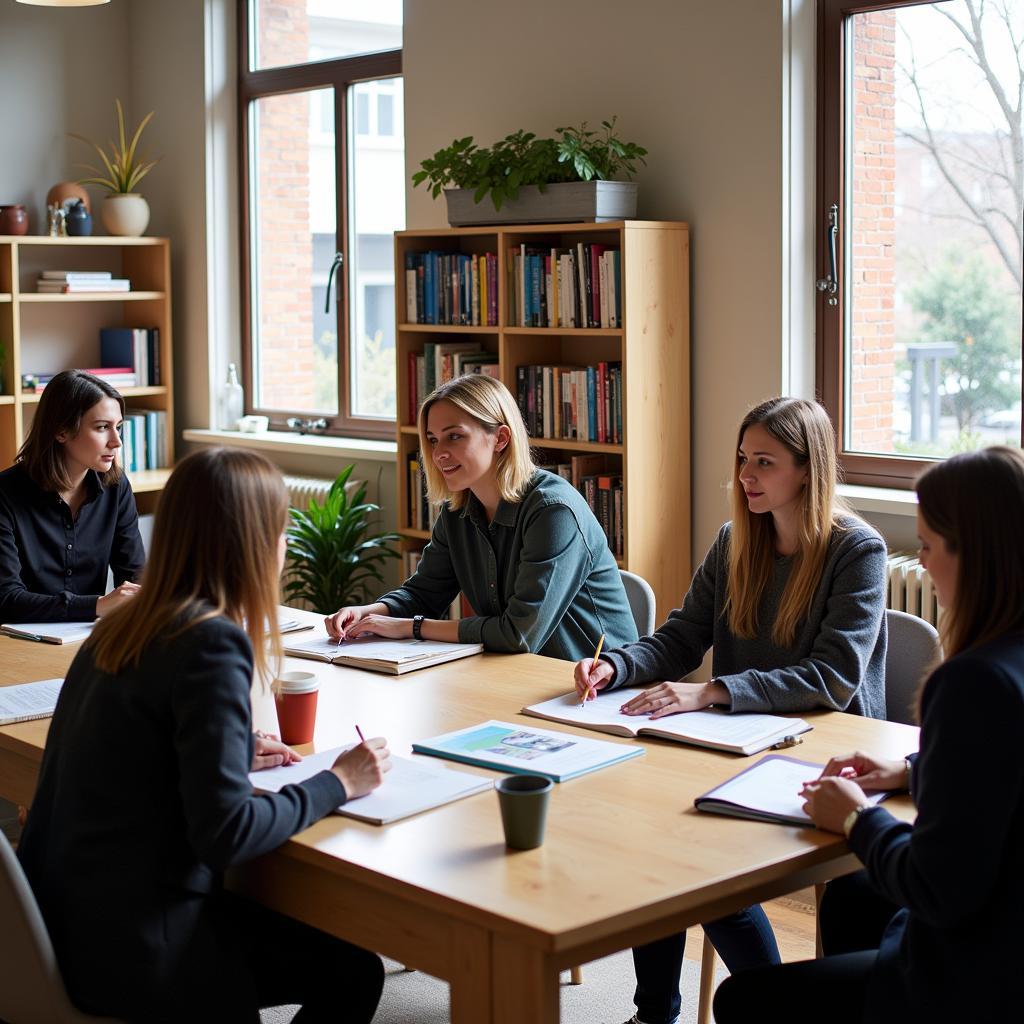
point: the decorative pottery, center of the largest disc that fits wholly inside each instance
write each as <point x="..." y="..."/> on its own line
<point x="13" y="220"/>
<point x="125" y="214"/>
<point x="78" y="221"/>
<point x="67" y="191"/>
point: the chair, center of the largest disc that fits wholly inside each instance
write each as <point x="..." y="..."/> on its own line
<point x="31" y="988"/>
<point x="913" y="646"/>
<point x="642" y="602"/>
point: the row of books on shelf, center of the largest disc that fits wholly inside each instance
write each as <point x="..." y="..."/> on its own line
<point x="454" y="288"/>
<point x="135" y="347"/>
<point x="144" y="440"/>
<point x="572" y="403"/>
<point x="67" y="282"/>
<point x="116" y="376"/>
<point x="441" y="362"/>
<point x="559" y="287"/>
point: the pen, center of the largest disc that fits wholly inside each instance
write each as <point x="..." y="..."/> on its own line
<point x="597" y="654"/>
<point x="359" y="733"/>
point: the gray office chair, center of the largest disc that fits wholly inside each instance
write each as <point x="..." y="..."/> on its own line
<point x="31" y="988"/>
<point x="913" y="647"/>
<point x="642" y="602"/>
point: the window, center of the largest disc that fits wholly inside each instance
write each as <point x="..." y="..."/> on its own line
<point x="921" y="166"/>
<point x="321" y="108"/>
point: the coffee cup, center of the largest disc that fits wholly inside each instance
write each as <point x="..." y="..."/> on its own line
<point x="523" y="800"/>
<point x="295" y="694"/>
<point x="253" y="424"/>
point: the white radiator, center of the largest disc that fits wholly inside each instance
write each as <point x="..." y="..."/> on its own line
<point x="910" y="588"/>
<point x="302" y="489"/>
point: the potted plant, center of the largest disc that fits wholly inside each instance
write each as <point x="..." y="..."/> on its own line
<point x="523" y="179"/>
<point x="124" y="211"/>
<point x="330" y="559"/>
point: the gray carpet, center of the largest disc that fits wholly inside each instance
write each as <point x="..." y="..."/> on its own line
<point x="605" y="997"/>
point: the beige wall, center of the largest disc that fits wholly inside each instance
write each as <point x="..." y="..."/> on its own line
<point x="699" y="84"/>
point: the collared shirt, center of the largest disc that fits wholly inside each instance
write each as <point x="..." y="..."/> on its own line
<point x="539" y="577"/>
<point x="53" y="566"/>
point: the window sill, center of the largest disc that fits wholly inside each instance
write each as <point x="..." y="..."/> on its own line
<point x="299" y="444"/>
<point x="879" y="499"/>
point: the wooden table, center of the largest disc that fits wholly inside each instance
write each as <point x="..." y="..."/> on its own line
<point x="626" y="858"/>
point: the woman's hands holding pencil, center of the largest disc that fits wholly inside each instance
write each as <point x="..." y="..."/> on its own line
<point x="362" y="768"/>
<point x="590" y="676"/>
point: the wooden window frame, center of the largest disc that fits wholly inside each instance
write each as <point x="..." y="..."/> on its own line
<point x="339" y="74"/>
<point x="874" y="470"/>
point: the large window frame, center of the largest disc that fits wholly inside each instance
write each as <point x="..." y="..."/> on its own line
<point x="831" y="188"/>
<point x="340" y="74"/>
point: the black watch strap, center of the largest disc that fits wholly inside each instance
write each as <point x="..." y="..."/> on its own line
<point x="417" y="627"/>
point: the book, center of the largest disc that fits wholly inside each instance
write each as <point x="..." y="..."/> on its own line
<point x="395" y="657"/>
<point x="26" y="702"/>
<point x="76" y="275"/>
<point x="510" y="748"/>
<point x="409" y="788"/>
<point x="49" y="632"/>
<point x="767" y="791"/>
<point x="72" y="286"/>
<point x="742" y="733"/>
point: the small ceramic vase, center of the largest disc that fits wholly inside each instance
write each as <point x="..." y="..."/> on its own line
<point x="125" y="214"/>
<point x="78" y="220"/>
<point x="13" y="220"/>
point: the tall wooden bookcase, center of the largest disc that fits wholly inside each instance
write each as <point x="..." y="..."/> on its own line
<point x="47" y="333"/>
<point x="653" y="345"/>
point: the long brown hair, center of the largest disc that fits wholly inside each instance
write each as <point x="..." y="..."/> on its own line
<point x="975" y="502"/>
<point x="805" y="430"/>
<point x="214" y="552"/>
<point x="66" y="399"/>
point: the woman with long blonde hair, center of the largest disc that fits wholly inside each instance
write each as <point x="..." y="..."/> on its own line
<point x="519" y="543"/>
<point x="144" y="798"/>
<point x="791" y="597"/>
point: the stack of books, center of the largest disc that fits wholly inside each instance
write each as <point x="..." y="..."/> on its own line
<point x="73" y="281"/>
<point x="451" y="288"/>
<point x="572" y="403"/>
<point x="144" y="440"/>
<point x="442" y="362"/>
<point x="135" y="347"/>
<point x="119" y="377"/>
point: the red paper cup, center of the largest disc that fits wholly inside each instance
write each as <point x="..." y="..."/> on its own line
<point x="295" y="694"/>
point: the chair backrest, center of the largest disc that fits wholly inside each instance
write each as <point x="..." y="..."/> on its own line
<point x="913" y="646"/>
<point x="642" y="602"/>
<point x="31" y="989"/>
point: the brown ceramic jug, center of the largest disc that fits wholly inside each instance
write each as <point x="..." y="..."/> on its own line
<point x="13" y="220"/>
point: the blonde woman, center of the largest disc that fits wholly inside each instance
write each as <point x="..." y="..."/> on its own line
<point x="144" y="797"/>
<point x="791" y="597"/>
<point x="520" y="543"/>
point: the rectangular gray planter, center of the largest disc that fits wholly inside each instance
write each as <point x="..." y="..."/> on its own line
<point x="561" y="203"/>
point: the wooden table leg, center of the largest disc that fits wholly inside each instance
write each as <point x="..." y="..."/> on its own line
<point x="525" y="984"/>
<point x="471" y="976"/>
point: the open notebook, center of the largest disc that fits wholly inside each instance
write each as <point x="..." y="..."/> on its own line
<point x="410" y="786"/>
<point x="27" y="701"/>
<point x="742" y="733"/>
<point x="49" y="632"/>
<point x="392" y="656"/>
<point x="767" y="791"/>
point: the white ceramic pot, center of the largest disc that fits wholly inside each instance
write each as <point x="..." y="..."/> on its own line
<point x="125" y="214"/>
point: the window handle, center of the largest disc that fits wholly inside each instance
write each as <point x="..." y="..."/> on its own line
<point x="339" y="258"/>
<point x="830" y="283"/>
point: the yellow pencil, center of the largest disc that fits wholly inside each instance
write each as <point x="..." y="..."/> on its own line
<point x="597" y="654"/>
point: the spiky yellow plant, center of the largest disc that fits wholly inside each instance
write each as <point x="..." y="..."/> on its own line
<point x="122" y="170"/>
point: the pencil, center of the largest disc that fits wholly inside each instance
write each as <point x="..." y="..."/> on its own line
<point x="359" y="733"/>
<point x="597" y="654"/>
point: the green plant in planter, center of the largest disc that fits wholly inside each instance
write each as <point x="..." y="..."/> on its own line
<point x="331" y="561"/>
<point x="521" y="159"/>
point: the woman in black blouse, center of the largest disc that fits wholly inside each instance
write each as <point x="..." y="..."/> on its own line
<point x="67" y="512"/>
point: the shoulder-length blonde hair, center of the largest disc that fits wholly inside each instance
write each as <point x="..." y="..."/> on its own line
<point x="805" y="431"/>
<point x="975" y="502"/>
<point x="214" y="552"/>
<point x="489" y="402"/>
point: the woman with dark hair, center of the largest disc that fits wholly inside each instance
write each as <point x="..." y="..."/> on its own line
<point x="144" y="797"/>
<point x="952" y="949"/>
<point x="67" y="512"/>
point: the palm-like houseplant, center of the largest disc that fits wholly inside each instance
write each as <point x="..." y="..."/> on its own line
<point x="331" y="561"/>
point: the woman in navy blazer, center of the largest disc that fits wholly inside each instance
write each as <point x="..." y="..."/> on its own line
<point x="952" y="950"/>
<point x="144" y="797"/>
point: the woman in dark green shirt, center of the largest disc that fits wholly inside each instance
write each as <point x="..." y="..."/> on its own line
<point x="521" y="544"/>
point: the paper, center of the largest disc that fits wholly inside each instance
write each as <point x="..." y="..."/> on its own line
<point x="50" y="632"/>
<point x="410" y="786"/>
<point x="26" y="701"/>
<point x="375" y="649"/>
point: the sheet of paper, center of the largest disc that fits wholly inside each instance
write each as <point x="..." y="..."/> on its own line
<point x="66" y="632"/>
<point x="27" y="699"/>
<point x="376" y="649"/>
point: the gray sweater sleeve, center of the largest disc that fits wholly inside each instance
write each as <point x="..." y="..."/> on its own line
<point x="679" y="645"/>
<point x="830" y="674"/>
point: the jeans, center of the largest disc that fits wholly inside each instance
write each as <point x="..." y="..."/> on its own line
<point x="743" y="940"/>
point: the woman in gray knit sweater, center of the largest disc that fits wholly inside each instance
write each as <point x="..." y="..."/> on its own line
<point x="791" y="597"/>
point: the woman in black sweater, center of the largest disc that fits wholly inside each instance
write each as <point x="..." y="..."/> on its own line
<point x="144" y="797"/>
<point x="952" y="950"/>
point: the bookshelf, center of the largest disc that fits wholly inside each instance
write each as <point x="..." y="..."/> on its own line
<point x="52" y="332"/>
<point x="652" y="345"/>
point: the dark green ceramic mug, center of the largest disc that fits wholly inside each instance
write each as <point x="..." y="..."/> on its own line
<point x="524" y="809"/>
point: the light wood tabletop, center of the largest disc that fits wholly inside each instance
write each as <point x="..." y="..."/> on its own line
<point x="626" y="858"/>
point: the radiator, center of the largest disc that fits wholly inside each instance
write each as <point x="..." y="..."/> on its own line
<point x="302" y="489"/>
<point x="910" y="588"/>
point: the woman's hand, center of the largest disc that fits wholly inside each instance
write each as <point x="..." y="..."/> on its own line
<point x="871" y="773"/>
<point x="362" y="768"/>
<point x="671" y="698"/>
<point x="829" y="801"/>
<point x="591" y="676"/>
<point x="269" y="752"/>
<point x="381" y="625"/>
<point x="117" y="597"/>
<point x="340" y="624"/>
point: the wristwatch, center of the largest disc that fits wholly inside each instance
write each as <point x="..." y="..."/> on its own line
<point x="417" y="627"/>
<point x="851" y="819"/>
